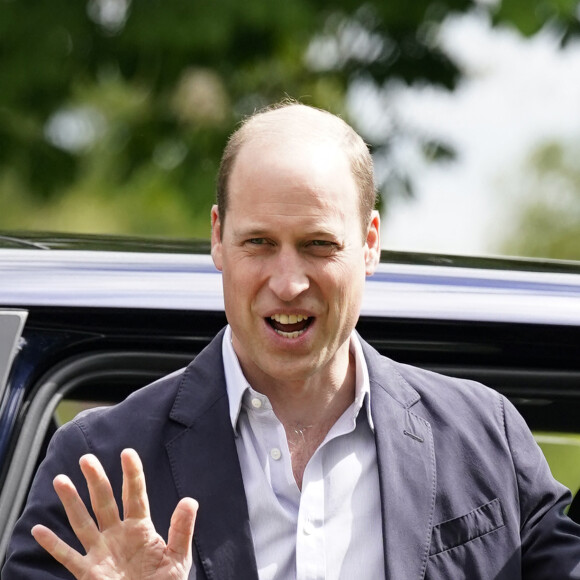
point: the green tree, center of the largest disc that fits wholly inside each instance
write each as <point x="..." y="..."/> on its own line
<point x="114" y="113"/>
<point x="547" y="221"/>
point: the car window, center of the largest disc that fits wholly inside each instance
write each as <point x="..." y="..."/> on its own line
<point x="68" y="409"/>
<point x="562" y="450"/>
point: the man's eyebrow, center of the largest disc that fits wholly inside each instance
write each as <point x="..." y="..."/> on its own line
<point x="259" y="232"/>
<point x="251" y="233"/>
<point x="322" y="234"/>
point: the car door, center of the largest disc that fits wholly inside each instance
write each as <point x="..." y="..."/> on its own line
<point x="11" y="325"/>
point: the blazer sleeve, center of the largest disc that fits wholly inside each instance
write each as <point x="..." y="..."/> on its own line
<point x="25" y="558"/>
<point x="550" y="540"/>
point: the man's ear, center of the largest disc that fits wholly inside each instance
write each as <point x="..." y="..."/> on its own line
<point x="216" y="238"/>
<point x="373" y="244"/>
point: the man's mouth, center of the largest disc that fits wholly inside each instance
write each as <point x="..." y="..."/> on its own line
<point x="289" y="325"/>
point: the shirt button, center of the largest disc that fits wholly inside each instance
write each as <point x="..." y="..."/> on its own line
<point x="256" y="403"/>
<point x="308" y="528"/>
<point x="275" y="453"/>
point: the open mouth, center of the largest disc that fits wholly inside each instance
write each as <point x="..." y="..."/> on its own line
<point x="289" y="325"/>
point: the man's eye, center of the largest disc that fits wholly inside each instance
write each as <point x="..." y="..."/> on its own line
<point x="257" y="241"/>
<point x="321" y="243"/>
<point x="323" y="248"/>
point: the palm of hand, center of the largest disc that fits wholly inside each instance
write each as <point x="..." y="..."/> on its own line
<point x="120" y="549"/>
<point x="131" y="551"/>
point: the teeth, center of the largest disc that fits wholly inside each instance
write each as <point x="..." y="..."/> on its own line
<point x="288" y="318"/>
<point x="295" y="334"/>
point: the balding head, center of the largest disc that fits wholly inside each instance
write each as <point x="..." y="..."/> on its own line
<point x="291" y="123"/>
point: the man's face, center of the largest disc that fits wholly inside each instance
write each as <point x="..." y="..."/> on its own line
<point x="293" y="259"/>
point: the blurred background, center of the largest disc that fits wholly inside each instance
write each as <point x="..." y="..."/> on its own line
<point x="114" y="113"/>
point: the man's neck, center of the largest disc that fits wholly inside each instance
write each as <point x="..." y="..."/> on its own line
<point x="314" y="399"/>
<point x="305" y="432"/>
<point x="309" y="408"/>
<point x="317" y="401"/>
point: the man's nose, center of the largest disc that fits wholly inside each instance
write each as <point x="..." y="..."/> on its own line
<point x="288" y="278"/>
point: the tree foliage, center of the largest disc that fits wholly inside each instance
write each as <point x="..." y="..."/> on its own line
<point x="547" y="223"/>
<point x="113" y="114"/>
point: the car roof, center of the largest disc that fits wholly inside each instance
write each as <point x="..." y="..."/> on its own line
<point x="128" y="272"/>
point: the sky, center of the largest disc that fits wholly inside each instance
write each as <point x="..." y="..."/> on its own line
<point x="517" y="93"/>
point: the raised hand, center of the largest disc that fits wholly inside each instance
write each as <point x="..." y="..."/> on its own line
<point x="127" y="548"/>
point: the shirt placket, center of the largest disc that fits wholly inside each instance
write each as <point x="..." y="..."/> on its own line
<point x="272" y="440"/>
<point x="310" y="549"/>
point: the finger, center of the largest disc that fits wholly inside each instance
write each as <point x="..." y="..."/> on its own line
<point x="181" y="529"/>
<point x="102" y="498"/>
<point x="59" y="550"/>
<point x="135" y="500"/>
<point x="78" y="516"/>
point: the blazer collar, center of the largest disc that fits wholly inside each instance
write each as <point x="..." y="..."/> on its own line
<point x="407" y="474"/>
<point x="222" y="534"/>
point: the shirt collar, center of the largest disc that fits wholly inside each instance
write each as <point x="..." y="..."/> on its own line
<point x="237" y="385"/>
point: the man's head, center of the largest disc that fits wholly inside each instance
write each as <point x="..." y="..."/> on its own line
<point x="290" y="249"/>
<point x="305" y="123"/>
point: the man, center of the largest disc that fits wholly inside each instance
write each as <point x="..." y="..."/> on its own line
<point x="310" y="455"/>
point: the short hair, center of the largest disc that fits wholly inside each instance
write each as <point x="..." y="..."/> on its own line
<point x="321" y="123"/>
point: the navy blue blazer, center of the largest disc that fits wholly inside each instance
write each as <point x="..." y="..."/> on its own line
<point x="465" y="490"/>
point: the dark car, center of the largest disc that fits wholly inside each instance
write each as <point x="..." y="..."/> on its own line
<point x="86" y="320"/>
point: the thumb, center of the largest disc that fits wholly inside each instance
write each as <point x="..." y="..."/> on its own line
<point x="181" y="529"/>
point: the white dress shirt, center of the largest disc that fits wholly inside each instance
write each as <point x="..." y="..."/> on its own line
<point x="332" y="528"/>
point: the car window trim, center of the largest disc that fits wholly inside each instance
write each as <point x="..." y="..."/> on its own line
<point x="51" y="389"/>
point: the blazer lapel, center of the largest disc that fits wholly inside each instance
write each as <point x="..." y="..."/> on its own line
<point x="205" y="466"/>
<point x="407" y="474"/>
